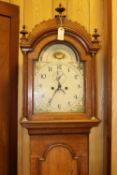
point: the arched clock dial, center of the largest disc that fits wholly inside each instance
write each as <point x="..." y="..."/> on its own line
<point x="58" y="81"/>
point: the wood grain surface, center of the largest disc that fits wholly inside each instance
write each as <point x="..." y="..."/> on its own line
<point x="92" y="18"/>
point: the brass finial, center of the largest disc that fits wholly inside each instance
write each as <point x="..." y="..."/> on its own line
<point x="23" y="32"/>
<point x="95" y="36"/>
<point x="60" y="10"/>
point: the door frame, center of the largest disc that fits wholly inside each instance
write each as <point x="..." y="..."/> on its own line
<point x="12" y="12"/>
<point x="108" y="84"/>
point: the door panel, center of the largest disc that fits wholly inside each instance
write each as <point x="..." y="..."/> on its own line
<point x="4" y="93"/>
<point x="8" y="88"/>
<point x="61" y="154"/>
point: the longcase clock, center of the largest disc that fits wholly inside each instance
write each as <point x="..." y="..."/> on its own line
<point x="59" y="96"/>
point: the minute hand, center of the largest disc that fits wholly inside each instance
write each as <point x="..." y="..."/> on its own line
<point x="53" y="95"/>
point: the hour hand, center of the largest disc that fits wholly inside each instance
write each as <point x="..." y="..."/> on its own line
<point x="60" y="87"/>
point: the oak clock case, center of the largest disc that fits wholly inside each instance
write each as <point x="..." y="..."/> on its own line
<point x="59" y="97"/>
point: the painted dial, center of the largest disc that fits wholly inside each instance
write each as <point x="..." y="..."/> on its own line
<point x="59" y="84"/>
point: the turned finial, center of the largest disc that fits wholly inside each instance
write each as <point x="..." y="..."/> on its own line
<point x="95" y="36"/>
<point x="60" y="10"/>
<point x="24" y="33"/>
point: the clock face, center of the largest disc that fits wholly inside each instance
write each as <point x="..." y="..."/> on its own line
<point x="58" y="80"/>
